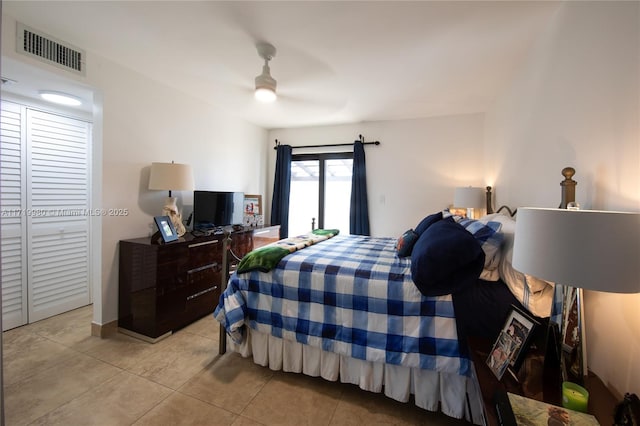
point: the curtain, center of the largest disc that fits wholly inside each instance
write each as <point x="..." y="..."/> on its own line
<point x="281" y="187"/>
<point x="359" y="214"/>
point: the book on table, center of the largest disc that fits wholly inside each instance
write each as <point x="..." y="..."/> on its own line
<point x="523" y="411"/>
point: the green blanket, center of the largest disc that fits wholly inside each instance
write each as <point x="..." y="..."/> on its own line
<point x="263" y="259"/>
<point x="326" y="232"/>
<point x="266" y="258"/>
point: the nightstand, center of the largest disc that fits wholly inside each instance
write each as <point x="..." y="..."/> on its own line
<point x="535" y="383"/>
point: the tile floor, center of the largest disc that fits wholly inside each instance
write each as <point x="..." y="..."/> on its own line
<point x="56" y="373"/>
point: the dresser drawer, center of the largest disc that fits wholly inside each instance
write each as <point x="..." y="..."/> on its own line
<point x="203" y="253"/>
<point x="204" y="278"/>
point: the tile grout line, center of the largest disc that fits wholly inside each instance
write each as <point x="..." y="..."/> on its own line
<point x="155" y="405"/>
<point x="238" y="415"/>
<point x="256" y="395"/>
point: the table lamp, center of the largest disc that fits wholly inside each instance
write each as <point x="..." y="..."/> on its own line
<point x="470" y="198"/>
<point x="585" y="249"/>
<point x="171" y="177"/>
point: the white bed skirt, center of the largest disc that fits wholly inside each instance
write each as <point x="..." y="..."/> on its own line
<point x="454" y="395"/>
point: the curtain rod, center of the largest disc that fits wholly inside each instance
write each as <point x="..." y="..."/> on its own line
<point x="360" y="139"/>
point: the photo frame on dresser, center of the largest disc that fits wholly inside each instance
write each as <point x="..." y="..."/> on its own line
<point x="252" y="214"/>
<point x="252" y="204"/>
<point x="512" y="344"/>
<point x="166" y="229"/>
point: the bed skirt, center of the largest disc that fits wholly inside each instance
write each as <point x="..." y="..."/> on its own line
<point x="454" y="395"/>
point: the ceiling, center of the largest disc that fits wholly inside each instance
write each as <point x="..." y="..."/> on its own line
<point x="336" y="62"/>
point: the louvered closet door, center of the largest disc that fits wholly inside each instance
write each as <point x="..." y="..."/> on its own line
<point x="13" y="222"/>
<point x="58" y="226"/>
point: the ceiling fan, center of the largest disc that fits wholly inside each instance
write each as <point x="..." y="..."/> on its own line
<point x="265" y="84"/>
<point x="296" y="91"/>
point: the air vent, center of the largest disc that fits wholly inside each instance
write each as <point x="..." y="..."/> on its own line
<point x="50" y="50"/>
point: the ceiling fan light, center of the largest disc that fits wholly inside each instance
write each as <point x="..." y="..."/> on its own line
<point x="264" y="94"/>
<point x="265" y="86"/>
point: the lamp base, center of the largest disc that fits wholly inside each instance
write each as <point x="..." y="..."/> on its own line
<point x="171" y="209"/>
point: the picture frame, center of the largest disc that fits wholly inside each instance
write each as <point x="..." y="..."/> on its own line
<point x="570" y="339"/>
<point x="252" y="204"/>
<point x="570" y="321"/>
<point x="501" y="354"/>
<point x="166" y="228"/>
<point x="513" y="342"/>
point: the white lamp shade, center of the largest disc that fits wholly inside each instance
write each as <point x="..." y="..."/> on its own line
<point x="589" y="249"/>
<point x="171" y="177"/>
<point x="469" y="197"/>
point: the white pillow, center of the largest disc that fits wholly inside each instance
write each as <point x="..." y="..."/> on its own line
<point x="535" y="294"/>
<point x="490" y="271"/>
<point x="488" y="235"/>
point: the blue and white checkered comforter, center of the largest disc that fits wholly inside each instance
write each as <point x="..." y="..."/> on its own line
<point x="351" y="295"/>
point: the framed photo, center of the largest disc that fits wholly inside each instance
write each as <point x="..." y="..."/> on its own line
<point x="166" y="228"/>
<point x="252" y="204"/>
<point x="570" y="336"/>
<point x="501" y="354"/>
<point x="570" y="330"/>
<point x="519" y="326"/>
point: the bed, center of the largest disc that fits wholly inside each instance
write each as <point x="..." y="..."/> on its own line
<point x="363" y="311"/>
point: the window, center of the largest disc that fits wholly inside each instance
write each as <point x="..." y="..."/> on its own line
<point x="320" y="192"/>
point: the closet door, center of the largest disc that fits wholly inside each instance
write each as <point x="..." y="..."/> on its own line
<point x="13" y="220"/>
<point x="58" y="224"/>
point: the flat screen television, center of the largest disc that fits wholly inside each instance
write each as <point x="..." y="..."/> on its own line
<point x="215" y="208"/>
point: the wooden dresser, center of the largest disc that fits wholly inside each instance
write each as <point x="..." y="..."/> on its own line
<point x="163" y="287"/>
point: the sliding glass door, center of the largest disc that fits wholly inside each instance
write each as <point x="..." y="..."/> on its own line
<point x="320" y="192"/>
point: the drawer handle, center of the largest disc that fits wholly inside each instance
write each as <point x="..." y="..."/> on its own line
<point x="200" y="293"/>
<point x="203" y="243"/>
<point x="202" y="268"/>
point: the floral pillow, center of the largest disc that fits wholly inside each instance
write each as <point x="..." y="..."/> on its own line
<point x="405" y="243"/>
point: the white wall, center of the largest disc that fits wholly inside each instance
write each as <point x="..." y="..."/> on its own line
<point x="412" y="173"/>
<point x="146" y="122"/>
<point x="138" y="121"/>
<point x="576" y="103"/>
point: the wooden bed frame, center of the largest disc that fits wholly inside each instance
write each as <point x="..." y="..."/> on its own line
<point x="568" y="193"/>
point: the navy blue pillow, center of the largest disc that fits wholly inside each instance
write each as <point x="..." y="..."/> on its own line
<point x="427" y="222"/>
<point x="405" y="243"/>
<point x="445" y="259"/>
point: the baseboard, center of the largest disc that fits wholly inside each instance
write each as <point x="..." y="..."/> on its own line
<point x="143" y="337"/>
<point x="104" y="330"/>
